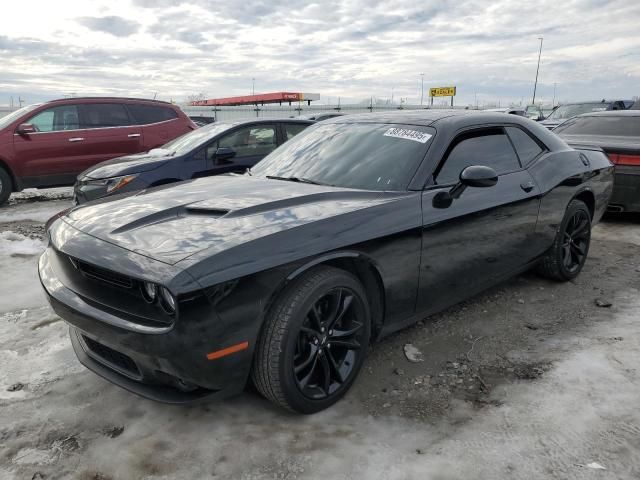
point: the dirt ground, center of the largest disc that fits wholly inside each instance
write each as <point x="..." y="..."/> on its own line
<point x="530" y="380"/>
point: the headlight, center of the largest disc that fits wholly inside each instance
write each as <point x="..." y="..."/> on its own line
<point x="149" y="291"/>
<point x="118" y="182"/>
<point x="168" y="302"/>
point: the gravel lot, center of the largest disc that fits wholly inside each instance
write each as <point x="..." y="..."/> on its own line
<point x="530" y="380"/>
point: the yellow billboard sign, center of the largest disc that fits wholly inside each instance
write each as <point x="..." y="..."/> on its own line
<point x="442" y="92"/>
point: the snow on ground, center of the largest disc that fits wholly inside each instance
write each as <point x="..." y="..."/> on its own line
<point x="59" y="421"/>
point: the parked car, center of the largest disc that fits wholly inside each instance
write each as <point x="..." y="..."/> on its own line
<point x="224" y="147"/>
<point x="618" y="134"/>
<point x="320" y="116"/>
<point x="48" y="144"/>
<point x="201" y="121"/>
<point x="511" y="111"/>
<point x="569" y="110"/>
<point x="357" y="227"/>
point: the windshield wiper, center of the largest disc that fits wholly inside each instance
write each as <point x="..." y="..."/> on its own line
<point x="297" y="179"/>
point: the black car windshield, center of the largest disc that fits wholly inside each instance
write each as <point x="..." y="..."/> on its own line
<point x="567" y="111"/>
<point x="370" y="156"/>
<point x="187" y="142"/>
<point x="623" y="126"/>
<point x="11" y="117"/>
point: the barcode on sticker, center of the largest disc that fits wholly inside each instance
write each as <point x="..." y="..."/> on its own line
<point x="407" y="134"/>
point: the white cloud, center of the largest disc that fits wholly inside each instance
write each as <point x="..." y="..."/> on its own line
<point x="354" y="49"/>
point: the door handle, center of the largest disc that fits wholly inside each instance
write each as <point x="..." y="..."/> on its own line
<point x="133" y="135"/>
<point x="76" y="139"/>
<point x="527" y="186"/>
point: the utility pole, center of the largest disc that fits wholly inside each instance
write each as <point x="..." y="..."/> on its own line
<point x="253" y="86"/>
<point x="421" y="88"/>
<point x="553" y="104"/>
<point x="535" y="85"/>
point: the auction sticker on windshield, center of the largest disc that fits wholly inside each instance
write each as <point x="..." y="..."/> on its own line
<point x="407" y="134"/>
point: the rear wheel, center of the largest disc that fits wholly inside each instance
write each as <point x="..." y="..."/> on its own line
<point x="314" y="341"/>
<point x="6" y="186"/>
<point x="566" y="257"/>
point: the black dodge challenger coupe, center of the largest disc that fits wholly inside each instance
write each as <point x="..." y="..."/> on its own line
<point x="357" y="227"/>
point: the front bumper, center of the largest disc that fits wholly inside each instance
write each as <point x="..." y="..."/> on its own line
<point x="163" y="364"/>
<point x="626" y="189"/>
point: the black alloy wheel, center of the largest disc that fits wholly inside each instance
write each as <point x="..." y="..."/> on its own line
<point x="328" y="344"/>
<point x="566" y="257"/>
<point x="576" y="238"/>
<point x="313" y="341"/>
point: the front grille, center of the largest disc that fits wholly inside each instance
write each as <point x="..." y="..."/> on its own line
<point x="112" y="357"/>
<point x="101" y="274"/>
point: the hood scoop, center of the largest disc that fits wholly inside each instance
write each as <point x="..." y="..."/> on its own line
<point x="206" y="210"/>
<point x="168" y="215"/>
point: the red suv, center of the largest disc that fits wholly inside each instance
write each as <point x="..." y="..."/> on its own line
<point x="49" y="144"/>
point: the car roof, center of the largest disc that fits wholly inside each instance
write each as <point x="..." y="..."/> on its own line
<point x="429" y="117"/>
<point x="110" y="99"/>
<point x="612" y="113"/>
<point x="603" y="102"/>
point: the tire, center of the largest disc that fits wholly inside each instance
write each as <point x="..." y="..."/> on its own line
<point x="299" y="348"/>
<point x="566" y="257"/>
<point x="6" y="186"/>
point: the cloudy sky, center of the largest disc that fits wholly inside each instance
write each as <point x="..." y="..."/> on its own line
<point x="350" y="48"/>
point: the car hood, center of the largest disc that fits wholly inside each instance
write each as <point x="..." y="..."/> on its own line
<point x="173" y="222"/>
<point x="606" y="142"/>
<point x="128" y="165"/>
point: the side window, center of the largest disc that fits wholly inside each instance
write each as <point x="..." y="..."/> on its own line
<point x="104" y="115"/>
<point x="489" y="147"/>
<point x="527" y="148"/>
<point x="292" y="129"/>
<point x="250" y="141"/>
<point x="64" y="117"/>
<point x="147" y="114"/>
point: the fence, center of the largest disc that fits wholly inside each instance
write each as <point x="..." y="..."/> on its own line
<point x="294" y="110"/>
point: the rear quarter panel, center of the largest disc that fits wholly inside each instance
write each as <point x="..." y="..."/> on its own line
<point x="157" y="134"/>
<point x="563" y="175"/>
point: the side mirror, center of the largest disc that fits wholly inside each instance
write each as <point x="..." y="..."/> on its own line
<point x="25" y="129"/>
<point x="477" y="176"/>
<point x="225" y="153"/>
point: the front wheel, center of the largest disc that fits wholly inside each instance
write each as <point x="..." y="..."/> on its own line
<point x="314" y="341"/>
<point x="565" y="259"/>
<point x="6" y="186"/>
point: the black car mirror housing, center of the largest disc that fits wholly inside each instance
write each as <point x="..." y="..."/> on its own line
<point x="225" y="153"/>
<point x="478" y="176"/>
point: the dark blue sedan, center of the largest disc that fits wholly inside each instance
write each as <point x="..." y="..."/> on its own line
<point x="224" y="147"/>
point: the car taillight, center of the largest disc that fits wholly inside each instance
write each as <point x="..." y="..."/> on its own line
<point x="621" y="159"/>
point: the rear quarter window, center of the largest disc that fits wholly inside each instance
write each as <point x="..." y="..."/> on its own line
<point x="147" y="114"/>
<point x="526" y="147"/>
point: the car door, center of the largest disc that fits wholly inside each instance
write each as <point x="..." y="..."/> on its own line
<point x="486" y="233"/>
<point x="55" y="152"/>
<point x="250" y="144"/>
<point x="109" y="132"/>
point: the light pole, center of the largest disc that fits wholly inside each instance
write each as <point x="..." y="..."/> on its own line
<point x="535" y="85"/>
<point x="421" y="88"/>
<point x="553" y="104"/>
<point x="253" y="86"/>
